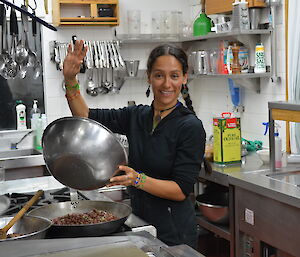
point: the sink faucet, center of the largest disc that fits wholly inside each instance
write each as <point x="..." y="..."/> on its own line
<point x="15" y="145"/>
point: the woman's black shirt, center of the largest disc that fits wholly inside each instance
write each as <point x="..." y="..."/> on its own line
<point x="172" y="151"/>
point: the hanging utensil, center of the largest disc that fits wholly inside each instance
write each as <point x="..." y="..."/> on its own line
<point x="91" y="86"/>
<point x="11" y="67"/>
<point x="46" y="24"/>
<point x="3" y="231"/>
<point x="121" y="61"/>
<point x="37" y="68"/>
<point x="21" y="51"/>
<point x="4" y="57"/>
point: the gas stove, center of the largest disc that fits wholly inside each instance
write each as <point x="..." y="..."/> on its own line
<point x="55" y="192"/>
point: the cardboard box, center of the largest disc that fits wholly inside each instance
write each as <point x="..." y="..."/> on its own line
<point x="225" y="6"/>
<point x="227" y="140"/>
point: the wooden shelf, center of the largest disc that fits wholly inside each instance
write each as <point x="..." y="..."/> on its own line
<point x="84" y="12"/>
<point x="220" y="230"/>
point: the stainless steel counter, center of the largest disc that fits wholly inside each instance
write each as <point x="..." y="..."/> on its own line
<point x="252" y="175"/>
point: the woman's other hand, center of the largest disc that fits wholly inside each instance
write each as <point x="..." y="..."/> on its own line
<point x="73" y="60"/>
<point x="126" y="180"/>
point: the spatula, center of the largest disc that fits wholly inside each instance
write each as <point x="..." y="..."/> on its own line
<point x="3" y="231"/>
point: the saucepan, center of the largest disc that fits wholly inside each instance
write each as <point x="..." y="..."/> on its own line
<point x="54" y="210"/>
<point x="82" y="153"/>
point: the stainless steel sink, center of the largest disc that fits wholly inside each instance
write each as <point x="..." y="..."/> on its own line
<point x="19" y="153"/>
<point x="20" y="158"/>
<point x="290" y="177"/>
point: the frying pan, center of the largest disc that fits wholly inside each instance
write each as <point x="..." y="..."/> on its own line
<point x="54" y="210"/>
<point x="4" y="203"/>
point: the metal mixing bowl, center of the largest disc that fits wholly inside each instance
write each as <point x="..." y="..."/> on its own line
<point x="214" y="206"/>
<point x="81" y="153"/>
<point x="28" y="226"/>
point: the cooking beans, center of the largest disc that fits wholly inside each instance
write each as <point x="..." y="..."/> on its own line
<point x="92" y="217"/>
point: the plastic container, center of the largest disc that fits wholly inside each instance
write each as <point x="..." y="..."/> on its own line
<point x="44" y="121"/>
<point x="260" y="61"/>
<point x="35" y="111"/>
<point x="278" y="150"/>
<point x="240" y="15"/>
<point x="36" y="125"/>
<point x="21" y="115"/>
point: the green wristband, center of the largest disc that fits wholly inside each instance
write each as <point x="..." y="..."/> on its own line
<point x="73" y="87"/>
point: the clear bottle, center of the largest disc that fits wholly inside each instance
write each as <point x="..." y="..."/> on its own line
<point x="21" y="115"/>
<point x="35" y="109"/>
<point x="278" y="148"/>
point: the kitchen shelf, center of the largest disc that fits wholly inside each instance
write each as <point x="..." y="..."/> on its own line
<point x="84" y="12"/>
<point x="233" y="76"/>
<point x="149" y="38"/>
<point x="221" y="231"/>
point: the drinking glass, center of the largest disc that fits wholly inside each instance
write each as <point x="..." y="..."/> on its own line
<point x="157" y="24"/>
<point x="134" y="23"/>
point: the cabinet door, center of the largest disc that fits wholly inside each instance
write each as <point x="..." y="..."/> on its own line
<point x="223" y="6"/>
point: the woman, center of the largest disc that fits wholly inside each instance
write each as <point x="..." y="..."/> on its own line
<point x="166" y="143"/>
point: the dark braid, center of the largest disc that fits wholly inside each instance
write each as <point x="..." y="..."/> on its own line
<point x="180" y="55"/>
<point x="187" y="98"/>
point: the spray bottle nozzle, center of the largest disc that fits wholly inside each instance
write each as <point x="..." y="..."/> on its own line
<point x="267" y="127"/>
<point x="277" y="126"/>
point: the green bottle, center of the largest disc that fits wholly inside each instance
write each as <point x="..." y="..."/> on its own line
<point x="202" y="25"/>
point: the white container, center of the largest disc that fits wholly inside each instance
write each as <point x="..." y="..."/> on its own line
<point x="21" y="116"/>
<point x="240" y="15"/>
<point x="260" y="60"/>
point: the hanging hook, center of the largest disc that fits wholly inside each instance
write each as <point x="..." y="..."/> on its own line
<point x="35" y="5"/>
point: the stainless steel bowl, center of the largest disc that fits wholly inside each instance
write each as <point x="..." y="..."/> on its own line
<point x="214" y="206"/>
<point x="28" y="226"/>
<point x="82" y="153"/>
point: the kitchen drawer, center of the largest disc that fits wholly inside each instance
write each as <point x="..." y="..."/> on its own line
<point x="223" y="6"/>
<point x="273" y="222"/>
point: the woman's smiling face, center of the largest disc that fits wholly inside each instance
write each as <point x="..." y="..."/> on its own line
<point x="166" y="78"/>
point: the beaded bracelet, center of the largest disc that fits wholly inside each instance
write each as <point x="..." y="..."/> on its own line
<point x="73" y="96"/>
<point x="72" y="87"/>
<point x="140" y="180"/>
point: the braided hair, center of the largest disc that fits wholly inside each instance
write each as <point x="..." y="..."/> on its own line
<point x="180" y="55"/>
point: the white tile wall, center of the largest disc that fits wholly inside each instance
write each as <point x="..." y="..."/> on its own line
<point x="209" y="96"/>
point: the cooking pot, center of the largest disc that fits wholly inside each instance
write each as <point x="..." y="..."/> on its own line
<point x="214" y="206"/>
<point x="29" y="227"/>
<point x="82" y="153"/>
<point x="54" y="210"/>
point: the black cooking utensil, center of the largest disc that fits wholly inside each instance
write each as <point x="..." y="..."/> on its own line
<point x="46" y="24"/>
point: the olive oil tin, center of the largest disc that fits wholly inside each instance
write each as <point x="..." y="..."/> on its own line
<point x="227" y="139"/>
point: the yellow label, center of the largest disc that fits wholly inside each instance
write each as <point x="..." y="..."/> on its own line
<point x="227" y="140"/>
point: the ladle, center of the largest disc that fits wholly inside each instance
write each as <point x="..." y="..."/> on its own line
<point x="21" y="50"/>
<point x="4" y="56"/>
<point x="3" y="231"/>
<point x="11" y="67"/>
<point x="37" y="66"/>
<point x="31" y="55"/>
<point x="91" y="87"/>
